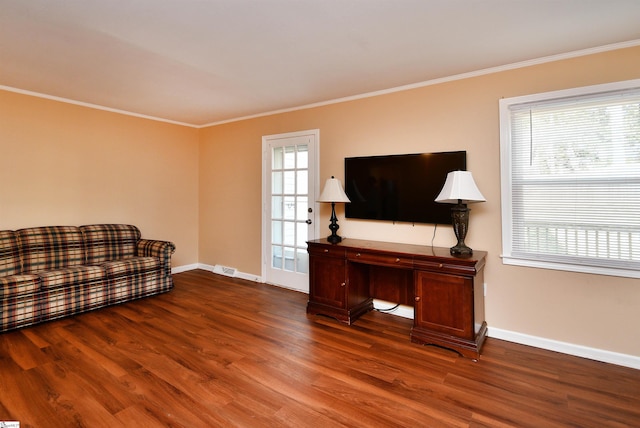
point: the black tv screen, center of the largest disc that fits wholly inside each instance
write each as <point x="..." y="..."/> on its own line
<point x="400" y="188"/>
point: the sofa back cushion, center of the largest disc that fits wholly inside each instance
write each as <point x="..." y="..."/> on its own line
<point x="9" y="256"/>
<point x="50" y="247"/>
<point x="108" y="242"/>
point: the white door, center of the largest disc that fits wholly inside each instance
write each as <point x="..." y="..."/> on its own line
<point x="290" y="183"/>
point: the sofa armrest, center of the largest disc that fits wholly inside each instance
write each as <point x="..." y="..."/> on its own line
<point x="154" y="248"/>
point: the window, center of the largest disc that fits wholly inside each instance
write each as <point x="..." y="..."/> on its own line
<point x="570" y="163"/>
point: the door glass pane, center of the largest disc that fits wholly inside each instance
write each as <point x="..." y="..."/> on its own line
<point x="302" y="261"/>
<point x="302" y="206"/>
<point x="302" y="185"/>
<point x="289" y="157"/>
<point x="289" y="261"/>
<point x="289" y="182"/>
<point x="276" y="182"/>
<point x="276" y="207"/>
<point x="276" y="261"/>
<point x="303" y="157"/>
<point x="289" y="233"/>
<point x="301" y="236"/>
<point x="290" y="207"/>
<point x="277" y="158"/>
<point x="276" y="232"/>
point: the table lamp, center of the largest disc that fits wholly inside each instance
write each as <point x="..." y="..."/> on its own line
<point x="333" y="192"/>
<point x="460" y="189"/>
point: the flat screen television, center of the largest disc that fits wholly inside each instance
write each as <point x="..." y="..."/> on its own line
<point x="400" y="188"/>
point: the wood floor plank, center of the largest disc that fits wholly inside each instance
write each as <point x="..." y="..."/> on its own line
<point x="23" y="352"/>
<point x="220" y="351"/>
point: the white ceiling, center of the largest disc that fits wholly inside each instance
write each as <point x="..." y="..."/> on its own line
<point x="208" y="61"/>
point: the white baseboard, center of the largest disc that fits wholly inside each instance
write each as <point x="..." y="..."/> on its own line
<point x="184" y="268"/>
<point x="511" y="336"/>
<point x="249" y="277"/>
<point x="211" y="268"/>
<point x="566" y="348"/>
<point x="202" y="266"/>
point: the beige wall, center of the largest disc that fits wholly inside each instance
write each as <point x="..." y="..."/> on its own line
<point x="590" y="310"/>
<point x="63" y="164"/>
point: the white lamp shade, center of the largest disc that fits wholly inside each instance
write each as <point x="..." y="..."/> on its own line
<point x="333" y="192"/>
<point x="460" y="187"/>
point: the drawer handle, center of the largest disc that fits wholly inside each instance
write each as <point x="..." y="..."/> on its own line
<point x="440" y="265"/>
<point x="397" y="260"/>
<point x="343" y="284"/>
<point x="326" y="251"/>
<point x="417" y="298"/>
<point x="357" y="254"/>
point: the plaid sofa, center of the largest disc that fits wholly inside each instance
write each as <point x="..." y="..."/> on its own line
<point x="55" y="271"/>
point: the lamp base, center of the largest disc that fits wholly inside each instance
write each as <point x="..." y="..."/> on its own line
<point x="461" y="250"/>
<point x="460" y="217"/>
<point x="334" y="239"/>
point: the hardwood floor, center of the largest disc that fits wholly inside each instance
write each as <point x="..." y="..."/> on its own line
<point x="218" y="351"/>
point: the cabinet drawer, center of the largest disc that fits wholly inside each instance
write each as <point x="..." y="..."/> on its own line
<point x="326" y="251"/>
<point x="394" y="260"/>
<point x="444" y="267"/>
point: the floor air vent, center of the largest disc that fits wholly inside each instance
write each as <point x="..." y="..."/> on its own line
<point x="224" y="270"/>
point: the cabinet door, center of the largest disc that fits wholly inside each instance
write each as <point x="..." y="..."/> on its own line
<point x="327" y="281"/>
<point x="444" y="303"/>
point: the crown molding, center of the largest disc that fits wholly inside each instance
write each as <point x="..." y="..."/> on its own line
<point x="461" y="76"/>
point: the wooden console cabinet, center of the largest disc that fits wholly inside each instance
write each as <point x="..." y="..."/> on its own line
<point x="447" y="292"/>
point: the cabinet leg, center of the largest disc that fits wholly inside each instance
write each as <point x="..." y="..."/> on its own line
<point x="465" y="347"/>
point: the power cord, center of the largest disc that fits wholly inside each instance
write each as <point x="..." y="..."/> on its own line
<point x="391" y="309"/>
<point x="435" y="227"/>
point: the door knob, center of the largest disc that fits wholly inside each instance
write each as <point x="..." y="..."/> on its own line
<point x="308" y="221"/>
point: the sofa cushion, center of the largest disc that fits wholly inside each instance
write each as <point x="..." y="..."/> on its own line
<point x="50" y="248"/>
<point x="9" y="255"/>
<point x="133" y="266"/>
<point x="134" y="278"/>
<point x="108" y="242"/>
<point x="72" y="276"/>
<point x="18" y="285"/>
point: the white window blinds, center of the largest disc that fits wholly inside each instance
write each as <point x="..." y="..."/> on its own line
<point x="571" y="181"/>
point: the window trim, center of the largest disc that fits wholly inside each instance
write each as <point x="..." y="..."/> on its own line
<point x="506" y="183"/>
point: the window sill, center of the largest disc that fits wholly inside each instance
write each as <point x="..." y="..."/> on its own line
<point x="594" y="270"/>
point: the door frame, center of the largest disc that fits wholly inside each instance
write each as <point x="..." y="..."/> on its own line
<point x="313" y="180"/>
